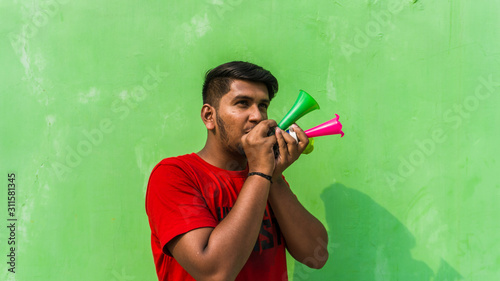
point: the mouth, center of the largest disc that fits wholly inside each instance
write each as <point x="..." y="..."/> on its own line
<point x="248" y="130"/>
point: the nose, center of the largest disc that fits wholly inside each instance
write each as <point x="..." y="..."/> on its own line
<point x="256" y="115"/>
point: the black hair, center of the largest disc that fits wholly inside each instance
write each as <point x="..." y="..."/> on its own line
<point x="218" y="80"/>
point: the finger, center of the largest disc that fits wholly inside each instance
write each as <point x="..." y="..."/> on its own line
<point x="263" y="128"/>
<point x="271" y="122"/>
<point x="303" y="140"/>
<point x="283" y="148"/>
<point x="291" y="143"/>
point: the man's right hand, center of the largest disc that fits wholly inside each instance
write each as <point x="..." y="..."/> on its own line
<point x="258" y="147"/>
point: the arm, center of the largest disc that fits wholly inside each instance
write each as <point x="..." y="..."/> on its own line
<point x="305" y="235"/>
<point x="220" y="253"/>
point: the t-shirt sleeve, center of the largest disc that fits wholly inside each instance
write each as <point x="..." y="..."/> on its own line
<point x="174" y="204"/>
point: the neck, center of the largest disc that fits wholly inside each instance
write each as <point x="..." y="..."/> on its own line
<point x="215" y="154"/>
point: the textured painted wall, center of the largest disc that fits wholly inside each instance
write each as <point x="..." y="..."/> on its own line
<point x="94" y="94"/>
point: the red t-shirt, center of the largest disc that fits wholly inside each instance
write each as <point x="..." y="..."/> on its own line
<point x="185" y="193"/>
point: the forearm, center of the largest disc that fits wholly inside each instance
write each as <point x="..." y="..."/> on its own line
<point x="306" y="237"/>
<point x="232" y="241"/>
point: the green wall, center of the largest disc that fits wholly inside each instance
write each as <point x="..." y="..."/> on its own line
<point x="95" y="93"/>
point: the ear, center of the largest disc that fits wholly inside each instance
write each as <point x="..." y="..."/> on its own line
<point x="208" y="116"/>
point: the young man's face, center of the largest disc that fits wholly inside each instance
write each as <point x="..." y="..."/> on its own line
<point x="241" y="109"/>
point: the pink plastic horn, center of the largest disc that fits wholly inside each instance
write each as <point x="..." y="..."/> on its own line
<point x="331" y="127"/>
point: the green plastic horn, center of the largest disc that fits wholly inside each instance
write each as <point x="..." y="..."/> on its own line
<point x="303" y="105"/>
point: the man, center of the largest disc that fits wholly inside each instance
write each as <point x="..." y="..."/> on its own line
<point x="226" y="212"/>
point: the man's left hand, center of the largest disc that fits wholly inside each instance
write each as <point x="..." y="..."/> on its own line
<point x="289" y="148"/>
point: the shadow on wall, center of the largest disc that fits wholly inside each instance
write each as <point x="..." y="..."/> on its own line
<point x="368" y="243"/>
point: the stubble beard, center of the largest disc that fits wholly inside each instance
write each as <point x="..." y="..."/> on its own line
<point x="225" y="139"/>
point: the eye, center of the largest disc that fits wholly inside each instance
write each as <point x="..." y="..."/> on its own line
<point x="264" y="105"/>
<point x="242" y="103"/>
